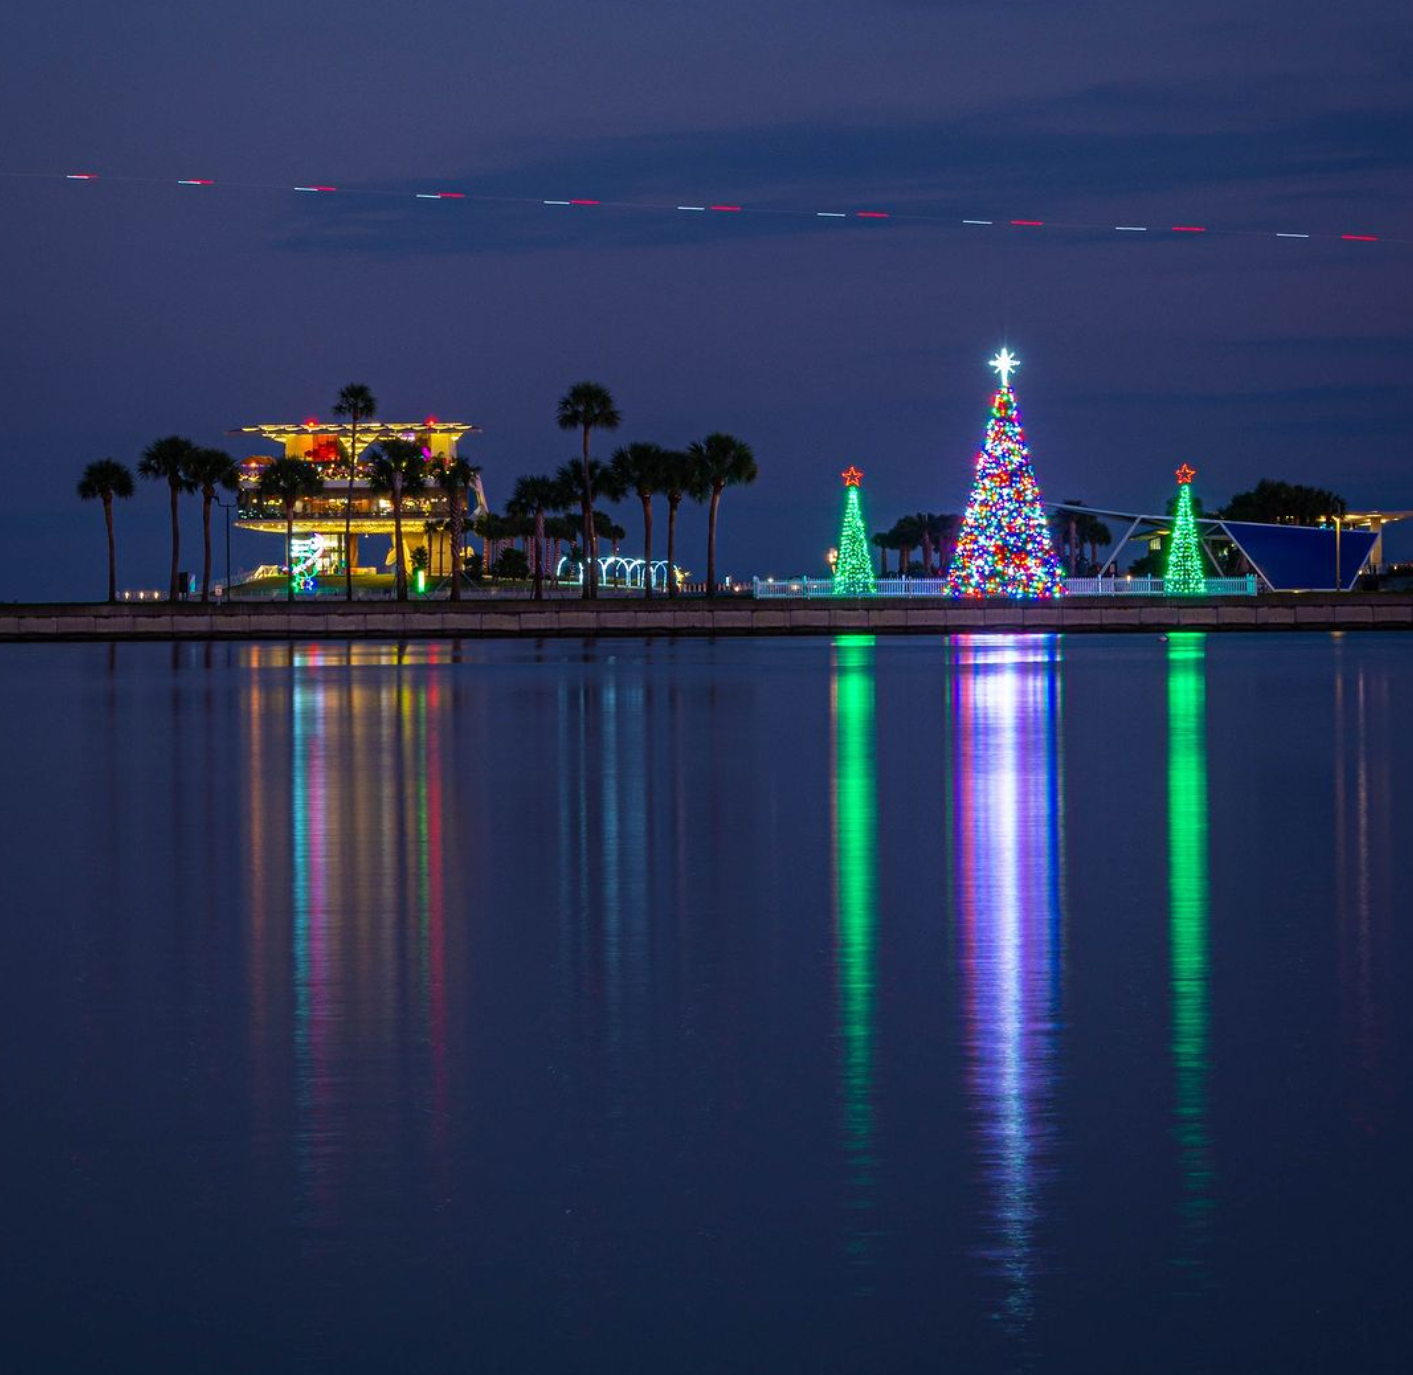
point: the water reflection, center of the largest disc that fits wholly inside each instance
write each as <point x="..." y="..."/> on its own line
<point x="1188" y="896"/>
<point x="1364" y="802"/>
<point x="1008" y="822"/>
<point x="604" y="805"/>
<point x="855" y="845"/>
<point x="346" y="814"/>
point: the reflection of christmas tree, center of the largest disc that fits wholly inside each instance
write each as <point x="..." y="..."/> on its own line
<point x="1183" y="576"/>
<point x="1004" y="548"/>
<point x="853" y="570"/>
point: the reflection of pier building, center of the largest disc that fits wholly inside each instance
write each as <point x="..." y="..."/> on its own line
<point x="328" y="447"/>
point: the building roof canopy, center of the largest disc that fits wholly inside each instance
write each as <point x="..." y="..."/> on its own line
<point x="369" y="431"/>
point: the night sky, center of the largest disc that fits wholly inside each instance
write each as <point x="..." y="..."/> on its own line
<point x="136" y="309"/>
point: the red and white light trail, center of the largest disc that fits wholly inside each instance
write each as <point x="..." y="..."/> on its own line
<point x="872" y="214"/>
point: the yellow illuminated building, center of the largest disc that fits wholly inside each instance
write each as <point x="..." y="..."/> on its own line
<point x="328" y="447"/>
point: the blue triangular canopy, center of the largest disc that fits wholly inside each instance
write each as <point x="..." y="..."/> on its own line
<point x="1302" y="558"/>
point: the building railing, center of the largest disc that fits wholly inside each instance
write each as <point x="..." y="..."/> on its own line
<point x="1153" y="587"/>
<point x="812" y="588"/>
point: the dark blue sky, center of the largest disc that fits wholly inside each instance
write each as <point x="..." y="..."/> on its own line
<point x="139" y="309"/>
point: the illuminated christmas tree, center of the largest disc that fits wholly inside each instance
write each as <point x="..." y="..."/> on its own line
<point x="1183" y="575"/>
<point x="1004" y="547"/>
<point x="853" y="569"/>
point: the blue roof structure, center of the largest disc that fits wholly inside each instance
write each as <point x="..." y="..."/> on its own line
<point x="1287" y="558"/>
<point x="1299" y="558"/>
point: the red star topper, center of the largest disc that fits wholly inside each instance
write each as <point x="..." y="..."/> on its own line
<point x="852" y="477"/>
<point x="1185" y="475"/>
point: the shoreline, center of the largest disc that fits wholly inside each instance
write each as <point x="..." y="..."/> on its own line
<point x="624" y="617"/>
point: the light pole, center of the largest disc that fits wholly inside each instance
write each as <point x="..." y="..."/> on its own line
<point x="226" y="511"/>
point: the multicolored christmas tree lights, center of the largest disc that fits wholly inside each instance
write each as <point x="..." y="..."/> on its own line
<point x="1183" y="575"/>
<point x="1004" y="548"/>
<point x="853" y="569"/>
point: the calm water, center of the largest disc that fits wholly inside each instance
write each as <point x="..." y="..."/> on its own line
<point x="780" y="1006"/>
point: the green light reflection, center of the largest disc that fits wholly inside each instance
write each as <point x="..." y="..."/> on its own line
<point x="855" y="844"/>
<point x="1188" y="896"/>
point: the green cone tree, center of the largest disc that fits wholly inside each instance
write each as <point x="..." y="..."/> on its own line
<point x="853" y="569"/>
<point x="1183" y="575"/>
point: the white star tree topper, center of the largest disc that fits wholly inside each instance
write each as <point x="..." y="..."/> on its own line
<point x="1005" y="363"/>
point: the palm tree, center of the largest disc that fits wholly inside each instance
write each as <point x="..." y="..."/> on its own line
<point x="922" y="522"/>
<point x="588" y="406"/>
<point x="640" y="470"/>
<point x="532" y="497"/>
<point x="495" y="529"/>
<point x="909" y="531"/>
<point x="455" y="477"/>
<point x="102" y="480"/>
<point x="606" y="528"/>
<point x="943" y="528"/>
<point x="166" y="460"/>
<point x="1096" y="535"/>
<point x="208" y="469"/>
<point x="289" y="481"/>
<point x="399" y="466"/>
<point x="676" y="478"/>
<point x="578" y="483"/>
<point x="885" y="541"/>
<point x="354" y="403"/>
<point x="560" y="530"/>
<point x="718" y="461"/>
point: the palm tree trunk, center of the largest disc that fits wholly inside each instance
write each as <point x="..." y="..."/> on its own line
<point x="648" y="545"/>
<point x="672" y="505"/>
<point x="456" y="546"/>
<point x="206" y="546"/>
<point x="176" y="544"/>
<point x="289" y="541"/>
<point x="591" y="567"/>
<point x="711" y="541"/>
<point x="399" y="568"/>
<point x="348" y="511"/>
<point x="586" y="516"/>
<point x="539" y="553"/>
<point x="112" y="555"/>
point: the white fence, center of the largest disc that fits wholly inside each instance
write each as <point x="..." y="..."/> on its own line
<point x="799" y="588"/>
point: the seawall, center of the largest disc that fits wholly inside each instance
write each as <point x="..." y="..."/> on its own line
<point x="487" y="617"/>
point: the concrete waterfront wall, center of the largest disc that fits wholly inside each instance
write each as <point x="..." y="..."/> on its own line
<point x="486" y="617"/>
